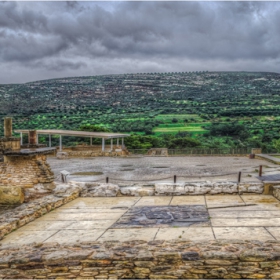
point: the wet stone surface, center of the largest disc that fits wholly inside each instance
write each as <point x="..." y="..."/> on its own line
<point x="164" y="216"/>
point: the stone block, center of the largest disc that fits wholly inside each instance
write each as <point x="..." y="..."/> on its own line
<point x="251" y="187"/>
<point x="109" y="190"/>
<point x="11" y="195"/>
<point x="62" y="155"/>
<point x="169" y="189"/>
<point x="137" y="191"/>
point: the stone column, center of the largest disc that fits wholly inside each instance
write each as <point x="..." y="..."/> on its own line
<point x="32" y="137"/>
<point x="8" y="126"/>
<point x="103" y="144"/>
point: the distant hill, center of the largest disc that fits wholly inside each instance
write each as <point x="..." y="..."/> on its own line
<point x="131" y="102"/>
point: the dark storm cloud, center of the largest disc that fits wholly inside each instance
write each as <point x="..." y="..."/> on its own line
<point x="58" y="39"/>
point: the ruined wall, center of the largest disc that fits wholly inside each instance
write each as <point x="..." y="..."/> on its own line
<point x="9" y="143"/>
<point x="25" y="171"/>
<point x="94" y="151"/>
<point x="219" y="259"/>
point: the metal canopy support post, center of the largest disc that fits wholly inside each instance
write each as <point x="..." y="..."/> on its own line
<point x="60" y="143"/>
<point x="103" y="144"/>
<point x="111" y="144"/>
<point x="21" y="138"/>
<point x="91" y="141"/>
<point x="50" y="140"/>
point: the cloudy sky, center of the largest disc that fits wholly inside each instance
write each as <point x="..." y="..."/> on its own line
<point x="43" y="40"/>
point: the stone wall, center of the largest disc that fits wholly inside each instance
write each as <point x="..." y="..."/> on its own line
<point x="26" y="171"/>
<point x="9" y="143"/>
<point x="102" y="189"/>
<point x="94" y="151"/>
<point x="220" y="259"/>
<point x="15" y="218"/>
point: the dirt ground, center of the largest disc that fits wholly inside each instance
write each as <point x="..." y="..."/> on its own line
<point x="162" y="169"/>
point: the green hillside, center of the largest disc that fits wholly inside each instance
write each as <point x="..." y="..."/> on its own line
<point x="151" y="103"/>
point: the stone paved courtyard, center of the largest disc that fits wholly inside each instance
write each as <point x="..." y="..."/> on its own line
<point x="162" y="169"/>
<point x="100" y="219"/>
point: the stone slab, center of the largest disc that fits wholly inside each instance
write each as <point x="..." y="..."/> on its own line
<point x="245" y="222"/>
<point x="75" y="236"/>
<point x="129" y="234"/>
<point x="244" y="214"/>
<point x="246" y="233"/>
<point x="275" y="231"/>
<point x="89" y="225"/>
<point x="80" y="216"/>
<point x="46" y="225"/>
<point x="185" y="233"/>
<point x="154" y="200"/>
<point x="90" y="210"/>
<point x="221" y="200"/>
<point x="187" y="200"/>
<point x="22" y="236"/>
<point x="104" y="202"/>
<point x="253" y="198"/>
<point x="251" y="207"/>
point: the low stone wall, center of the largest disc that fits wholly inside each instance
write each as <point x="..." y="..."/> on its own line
<point x="276" y="192"/>
<point x="94" y="151"/>
<point x="220" y="259"/>
<point x="25" y="171"/>
<point x="199" y="188"/>
<point x="27" y="212"/>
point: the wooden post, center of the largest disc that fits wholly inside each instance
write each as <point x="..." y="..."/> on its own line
<point x="107" y="180"/>
<point x="239" y="177"/>
<point x="60" y="143"/>
<point x="175" y="179"/>
<point x="260" y="171"/>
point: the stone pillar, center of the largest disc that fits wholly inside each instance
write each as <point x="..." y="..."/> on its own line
<point x="111" y="144"/>
<point x="8" y="126"/>
<point x="117" y="141"/>
<point x="21" y="138"/>
<point x="32" y="137"/>
<point x="103" y="144"/>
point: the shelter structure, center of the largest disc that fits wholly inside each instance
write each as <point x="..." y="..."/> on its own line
<point x="103" y="135"/>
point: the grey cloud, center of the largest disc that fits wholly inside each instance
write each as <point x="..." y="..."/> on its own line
<point x="68" y="38"/>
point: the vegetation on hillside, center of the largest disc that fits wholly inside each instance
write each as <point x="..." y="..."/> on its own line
<point x="208" y="109"/>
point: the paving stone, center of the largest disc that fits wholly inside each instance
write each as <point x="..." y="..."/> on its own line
<point x="129" y="234"/>
<point x="104" y="202"/>
<point x="254" y="198"/>
<point x="187" y="200"/>
<point x="223" y="200"/>
<point x="154" y="200"/>
<point x="47" y="225"/>
<point x="243" y="214"/>
<point x="182" y="233"/>
<point x="247" y="233"/>
<point x="80" y="216"/>
<point x="75" y="236"/>
<point x="275" y="231"/>
<point x="88" y="225"/>
<point x="245" y="222"/>
<point x="22" y="236"/>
